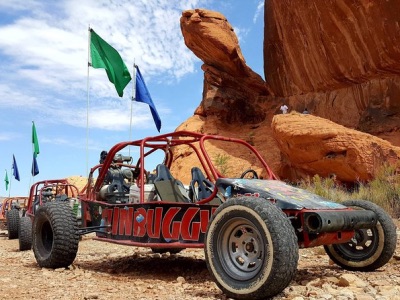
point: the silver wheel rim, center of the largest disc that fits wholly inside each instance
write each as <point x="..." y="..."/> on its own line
<point x="241" y="249"/>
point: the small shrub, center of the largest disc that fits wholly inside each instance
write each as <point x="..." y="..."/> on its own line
<point x="221" y="163"/>
<point x="325" y="187"/>
<point x="383" y="190"/>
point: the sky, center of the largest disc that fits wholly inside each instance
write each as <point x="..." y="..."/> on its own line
<point x="45" y="78"/>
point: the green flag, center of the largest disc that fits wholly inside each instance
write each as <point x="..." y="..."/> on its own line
<point x="35" y="140"/>
<point x="6" y="180"/>
<point x="106" y="57"/>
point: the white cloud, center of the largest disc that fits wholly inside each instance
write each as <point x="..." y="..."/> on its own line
<point x="6" y="136"/>
<point x="259" y="11"/>
<point x="241" y="33"/>
<point x="17" y="99"/>
<point x="19" y="5"/>
<point x="46" y="48"/>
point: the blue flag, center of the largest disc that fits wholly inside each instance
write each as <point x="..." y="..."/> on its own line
<point x="35" y="167"/>
<point x="15" y="169"/>
<point x="143" y="95"/>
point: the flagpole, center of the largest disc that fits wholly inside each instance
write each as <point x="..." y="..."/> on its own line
<point x="132" y="99"/>
<point x="12" y="169"/>
<point x="9" y="190"/>
<point x="9" y="187"/>
<point x="30" y="180"/>
<point x="33" y="151"/>
<point x="87" y="109"/>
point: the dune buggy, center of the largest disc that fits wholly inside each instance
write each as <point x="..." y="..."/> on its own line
<point x="11" y="210"/>
<point x="56" y="191"/>
<point x="224" y="199"/>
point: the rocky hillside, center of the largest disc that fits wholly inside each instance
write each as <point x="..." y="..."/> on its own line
<point x="340" y="59"/>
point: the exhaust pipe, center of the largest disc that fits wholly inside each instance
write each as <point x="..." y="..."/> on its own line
<point x="331" y="221"/>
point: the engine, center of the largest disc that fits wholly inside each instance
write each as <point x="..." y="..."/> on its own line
<point x="117" y="181"/>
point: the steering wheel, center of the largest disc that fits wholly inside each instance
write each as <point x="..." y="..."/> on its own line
<point x="255" y="175"/>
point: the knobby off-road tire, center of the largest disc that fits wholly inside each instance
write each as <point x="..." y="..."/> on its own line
<point x="370" y="249"/>
<point x="12" y="223"/>
<point x="25" y="234"/>
<point x="251" y="248"/>
<point x="55" y="236"/>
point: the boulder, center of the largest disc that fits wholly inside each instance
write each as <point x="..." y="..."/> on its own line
<point x="312" y="145"/>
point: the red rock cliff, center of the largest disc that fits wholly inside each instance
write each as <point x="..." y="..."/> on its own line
<point x="341" y="59"/>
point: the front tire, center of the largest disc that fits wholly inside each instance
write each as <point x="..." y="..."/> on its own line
<point x="55" y="235"/>
<point x="25" y="234"/>
<point x="371" y="248"/>
<point x="12" y="223"/>
<point x="251" y="248"/>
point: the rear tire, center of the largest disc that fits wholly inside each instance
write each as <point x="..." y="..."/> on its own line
<point x="55" y="236"/>
<point x="370" y="249"/>
<point x="12" y="223"/>
<point x="25" y="234"/>
<point x="251" y="248"/>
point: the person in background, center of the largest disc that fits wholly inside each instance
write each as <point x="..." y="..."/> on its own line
<point x="305" y="111"/>
<point x="284" y="108"/>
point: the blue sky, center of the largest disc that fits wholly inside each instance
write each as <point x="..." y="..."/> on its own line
<point x="44" y="77"/>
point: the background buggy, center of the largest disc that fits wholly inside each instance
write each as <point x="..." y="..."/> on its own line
<point x="11" y="210"/>
<point x="42" y="192"/>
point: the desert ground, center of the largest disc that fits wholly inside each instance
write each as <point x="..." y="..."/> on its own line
<point x="110" y="271"/>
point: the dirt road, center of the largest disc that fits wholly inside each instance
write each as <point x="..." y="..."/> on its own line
<point x="110" y="271"/>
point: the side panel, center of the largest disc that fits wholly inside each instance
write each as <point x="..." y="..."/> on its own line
<point x="152" y="223"/>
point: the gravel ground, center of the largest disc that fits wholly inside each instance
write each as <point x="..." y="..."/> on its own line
<point x="110" y="271"/>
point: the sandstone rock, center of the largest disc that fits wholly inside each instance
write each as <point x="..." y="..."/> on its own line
<point x="340" y="59"/>
<point x="296" y="290"/>
<point x="388" y="291"/>
<point x="326" y="297"/>
<point x="180" y="279"/>
<point x="330" y="289"/>
<point x="231" y="89"/>
<point x="333" y="280"/>
<point x="78" y="181"/>
<point x="326" y="45"/>
<point x="345" y="294"/>
<point x="364" y="297"/>
<point x="323" y="62"/>
<point x="346" y="280"/>
<point x="312" y="145"/>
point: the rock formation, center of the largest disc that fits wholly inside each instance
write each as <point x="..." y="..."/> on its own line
<point x="332" y="149"/>
<point x="234" y="101"/>
<point x="340" y="59"/>
<point x="231" y="89"/>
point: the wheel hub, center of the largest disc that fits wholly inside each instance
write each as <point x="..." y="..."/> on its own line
<point x="249" y="246"/>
